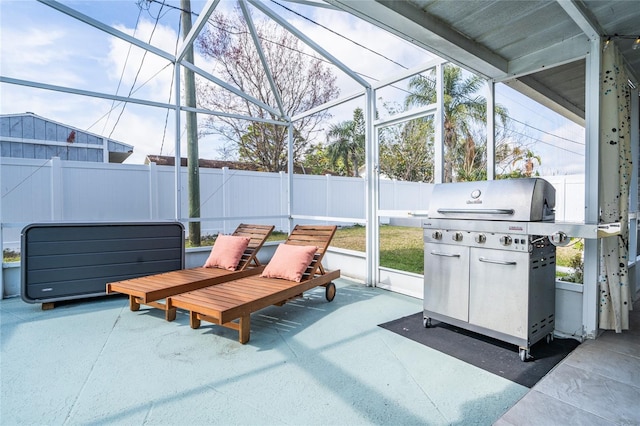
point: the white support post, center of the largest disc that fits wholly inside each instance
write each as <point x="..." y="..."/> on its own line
<point x="371" y="192"/>
<point x="284" y="202"/>
<point x="178" y="158"/>
<point x="438" y="148"/>
<point x="591" y="285"/>
<point x="491" y="131"/>
<point x="290" y="176"/>
<point x="57" y="193"/>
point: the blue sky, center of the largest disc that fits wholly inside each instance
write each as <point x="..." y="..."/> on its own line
<point x="38" y="43"/>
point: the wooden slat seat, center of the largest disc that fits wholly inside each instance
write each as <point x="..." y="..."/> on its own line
<point x="150" y="290"/>
<point x="227" y="302"/>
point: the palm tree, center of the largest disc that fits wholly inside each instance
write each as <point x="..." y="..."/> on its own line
<point x="346" y="143"/>
<point x="464" y="109"/>
<point x="525" y="157"/>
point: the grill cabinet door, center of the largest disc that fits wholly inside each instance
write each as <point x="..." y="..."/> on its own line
<point x="498" y="291"/>
<point x="446" y="287"/>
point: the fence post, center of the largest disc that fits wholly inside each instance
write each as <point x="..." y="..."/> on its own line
<point x="153" y="191"/>
<point x="57" y="190"/>
<point x="328" y="192"/>
<point x="225" y="194"/>
<point x="285" y="206"/>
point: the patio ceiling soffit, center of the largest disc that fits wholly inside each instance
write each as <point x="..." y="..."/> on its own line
<point x="408" y="21"/>
<point x="427" y="31"/>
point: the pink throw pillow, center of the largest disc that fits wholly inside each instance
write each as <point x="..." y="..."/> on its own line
<point x="227" y="252"/>
<point x="289" y="262"/>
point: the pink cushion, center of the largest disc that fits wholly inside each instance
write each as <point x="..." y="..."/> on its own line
<point x="227" y="252"/>
<point x="289" y="262"/>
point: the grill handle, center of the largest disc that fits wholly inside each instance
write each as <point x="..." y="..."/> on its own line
<point x="497" y="262"/>
<point x="479" y="211"/>
<point x="439" y="253"/>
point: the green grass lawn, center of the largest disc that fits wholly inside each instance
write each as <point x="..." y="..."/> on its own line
<point x="401" y="247"/>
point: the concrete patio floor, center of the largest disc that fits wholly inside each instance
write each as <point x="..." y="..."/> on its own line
<point x="309" y="362"/>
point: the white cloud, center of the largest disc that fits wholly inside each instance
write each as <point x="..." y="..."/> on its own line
<point x="151" y="74"/>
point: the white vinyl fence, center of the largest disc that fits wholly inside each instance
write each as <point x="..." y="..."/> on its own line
<point x="55" y="190"/>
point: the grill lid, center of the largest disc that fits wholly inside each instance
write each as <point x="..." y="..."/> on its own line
<point x="523" y="200"/>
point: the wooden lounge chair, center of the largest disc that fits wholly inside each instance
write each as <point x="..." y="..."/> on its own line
<point x="225" y="303"/>
<point x="150" y="290"/>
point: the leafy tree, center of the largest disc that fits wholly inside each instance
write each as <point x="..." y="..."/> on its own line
<point x="514" y="158"/>
<point x="464" y="111"/>
<point x="316" y="162"/>
<point x="406" y="151"/>
<point x="302" y="81"/>
<point x="346" y="143"/>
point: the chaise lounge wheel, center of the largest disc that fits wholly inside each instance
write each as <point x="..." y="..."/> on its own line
<point x="330" y="292"/>
<point x="426" y="322"/>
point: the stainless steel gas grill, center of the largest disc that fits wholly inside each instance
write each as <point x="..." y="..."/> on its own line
<point x="484" y="271"/>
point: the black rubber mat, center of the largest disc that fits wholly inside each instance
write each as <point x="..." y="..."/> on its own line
<point x="492" y="355"/>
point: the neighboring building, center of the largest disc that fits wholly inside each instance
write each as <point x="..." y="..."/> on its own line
<point x="31" y="136"/>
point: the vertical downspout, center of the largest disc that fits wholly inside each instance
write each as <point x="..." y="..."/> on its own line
<point x="591" y="284"/>
<point x="491" y="131"/>
<point x="372" y="242"/>
<point x="177" y="177"/>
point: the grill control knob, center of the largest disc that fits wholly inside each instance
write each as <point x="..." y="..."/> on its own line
<point x="481" y="238"/>
<point x="505" y="240"/>
<point x="457" y="236"/>
<point x="437" y="235"/>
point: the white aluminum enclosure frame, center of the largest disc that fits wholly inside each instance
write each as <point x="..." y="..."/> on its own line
<point x="476" y="58"/>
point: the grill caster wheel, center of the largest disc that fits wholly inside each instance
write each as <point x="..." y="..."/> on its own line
<point x="330" y="292"/>
<point x="549" y="338"/>
<point x="426" y="322"/>
<point x="524" y="354"/>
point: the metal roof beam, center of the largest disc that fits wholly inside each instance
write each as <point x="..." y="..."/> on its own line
<point x="195" y="30"/>
<point x="569" y="50"/>
<point x="309" y="42"/>
<point x="229" y="87"/>
<point x="582" y="18"/>
<point x="81" y="92"/>
<point x="265" y="65"/>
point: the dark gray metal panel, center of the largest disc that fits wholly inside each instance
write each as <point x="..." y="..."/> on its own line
<point x="62" y="261"/>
